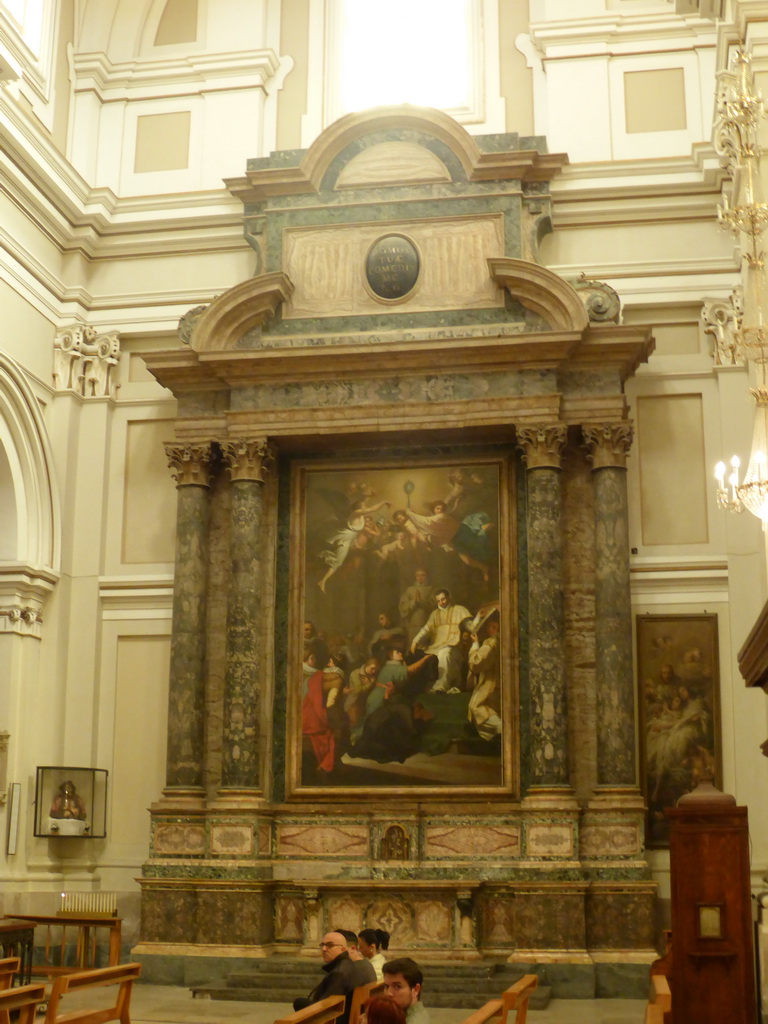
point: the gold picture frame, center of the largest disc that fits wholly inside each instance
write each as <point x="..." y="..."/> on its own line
<point x="383" y="695"/>
<point x="679" y="705"/>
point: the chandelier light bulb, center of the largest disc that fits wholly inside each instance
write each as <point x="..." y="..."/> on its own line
<point x="720" y="473"/>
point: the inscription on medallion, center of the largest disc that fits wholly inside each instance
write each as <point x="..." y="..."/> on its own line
<point x="392" y="266"/>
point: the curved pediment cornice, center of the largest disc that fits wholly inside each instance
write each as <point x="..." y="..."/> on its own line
<point x="541" y="291"/>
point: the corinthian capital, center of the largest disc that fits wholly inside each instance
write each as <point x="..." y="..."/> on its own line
<point x="190" y="464"/>
<point x="607" y="444"/>
<point x="247" y="459"/>
<point x="542" y="446"/>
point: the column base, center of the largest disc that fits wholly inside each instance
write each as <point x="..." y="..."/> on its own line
<point x="185" y="799"/>
<point x="561" y="797"/>
<point x="624" y="797"/>
<point x="237" y="799"/>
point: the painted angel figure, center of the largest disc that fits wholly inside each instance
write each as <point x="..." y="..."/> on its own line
<point x="358" y="530"/>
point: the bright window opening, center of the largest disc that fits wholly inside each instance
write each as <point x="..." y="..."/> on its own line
<point x="411" y="51"/>
<point x="27" y="15"/>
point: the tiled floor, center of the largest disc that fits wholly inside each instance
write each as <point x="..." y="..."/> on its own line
<point x="161" y="1004"/>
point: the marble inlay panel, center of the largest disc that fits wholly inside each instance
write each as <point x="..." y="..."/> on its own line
<point x="396" y="917"/>
<point x="434" y="919"/>
<point x="549" y="841"/>
<point x="289" y="918"/>
<point x="620" y="920"/>
<point x="236" y="840"/>
<point x="345" y="912"/>
<point x="322" y="841"/>
<point x="610" y="841"/>
<point x="179" y="839"/>
<point x="327" y="265"/>
<point x="466" y="840"/>
<point x="265" y="840"/>
<point x="498" y="922"/>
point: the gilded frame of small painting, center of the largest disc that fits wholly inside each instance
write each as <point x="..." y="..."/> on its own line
<point x="679" y="712"/>
<point x="401" y="652"/>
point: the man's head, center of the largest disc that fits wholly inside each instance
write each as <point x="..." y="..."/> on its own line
<point x="403" y="978"/>
<point x="384" y="620"/>
<point x="332" y="945"/>
<point x="421" y="576"/>
<point x="395" y="653"/>
<point x="309" y="630"/>
<point x="443" y="598"/>
<point x="352" y="944"/>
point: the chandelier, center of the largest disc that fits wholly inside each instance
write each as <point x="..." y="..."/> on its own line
<point x="740" y="110"/>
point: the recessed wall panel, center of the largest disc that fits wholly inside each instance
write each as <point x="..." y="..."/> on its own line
<point x="673" y="477"/>
<point x="141" y="710"/>
<point x="149" y="507"/>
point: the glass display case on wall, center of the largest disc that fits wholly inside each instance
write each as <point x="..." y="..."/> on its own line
<point x="71" y="803"/>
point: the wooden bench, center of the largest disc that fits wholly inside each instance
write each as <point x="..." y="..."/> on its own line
<point x="322" y="1012"/>
<point x="23" y="1000"/>
<point x="360" y="997"/>
<point x="516" y="997"/>
<point x="123" y="976"/>
<point x="656" y="1011"/>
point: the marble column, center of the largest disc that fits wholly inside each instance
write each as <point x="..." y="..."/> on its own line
<point x="247" y="462"/>
<point x="541" y="448"/>
<point x="607" y="446"/>
<point x="191" y="466"/>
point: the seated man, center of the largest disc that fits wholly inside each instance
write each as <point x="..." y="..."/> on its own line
<point x="342" y="975"/>
<point x="403" y="978"/>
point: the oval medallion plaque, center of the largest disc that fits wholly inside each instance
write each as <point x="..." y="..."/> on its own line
<point x="392" y="266"/>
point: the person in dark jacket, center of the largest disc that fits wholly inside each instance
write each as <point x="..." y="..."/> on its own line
<point x="342" y="975"/>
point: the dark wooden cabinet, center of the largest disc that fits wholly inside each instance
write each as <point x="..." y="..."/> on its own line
<point x="713" y="977"/>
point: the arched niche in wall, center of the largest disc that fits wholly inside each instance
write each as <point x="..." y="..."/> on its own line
<point x="30" y="514"/>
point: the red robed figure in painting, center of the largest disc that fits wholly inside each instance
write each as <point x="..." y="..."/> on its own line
<point x="314" y="723"/>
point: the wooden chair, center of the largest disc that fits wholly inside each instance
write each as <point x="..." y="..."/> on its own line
<point x="23" y="1000"/>
<point x="360" y="997"/>
<point x="516" y="997"/>
<point x="492" y="1011"/>
<point x="656" y="1012"/>
<point x="123" y="976"/>
<point x="323" y="1012"/>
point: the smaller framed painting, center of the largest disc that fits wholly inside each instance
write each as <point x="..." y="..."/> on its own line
<point x="679" y="688"/>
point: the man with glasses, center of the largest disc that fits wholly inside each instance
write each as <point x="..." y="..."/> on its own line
<point x="342" y="974"/>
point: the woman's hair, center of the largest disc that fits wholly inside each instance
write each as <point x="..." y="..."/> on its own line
<point x="384" y="1010"/>
<point x="375" y="937"/>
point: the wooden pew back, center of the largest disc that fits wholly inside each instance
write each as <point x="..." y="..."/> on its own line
<point x="8" y="967"/>
<point x="516" y="997"/>
<point x="123" y="976"/>
<point x="24" y="1000"/>
<point x="657" y="1012"/>
<point x="322" y="1012"/>
<point x="492" y="1011"/>
<point x="360" y="997"/>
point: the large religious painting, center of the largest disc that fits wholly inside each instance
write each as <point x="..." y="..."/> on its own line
<point x="400" y="651"/>
<point x="677" y="657"/>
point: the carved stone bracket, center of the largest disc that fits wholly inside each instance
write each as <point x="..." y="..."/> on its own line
<point x="247" y="460"/>
<point x="188" y="322"/>
<point x="608" y="444"/>
<point x="722" y="319"/>
<point x="601" y="302"/>
<point x="190" y="464"/>
<point x="542" y="446"/>
<point x="84" y="361"/>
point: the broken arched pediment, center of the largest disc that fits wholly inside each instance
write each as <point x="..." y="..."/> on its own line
<point x="230" y="316"/>
<point x="541" y="291"/>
